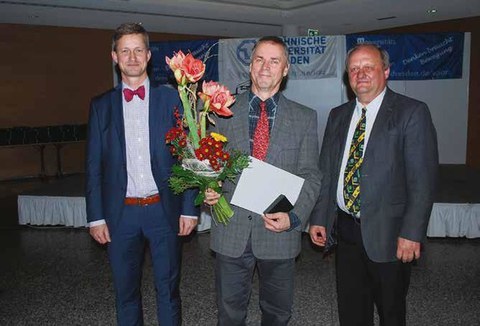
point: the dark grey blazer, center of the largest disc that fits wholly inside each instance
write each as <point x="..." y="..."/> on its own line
<point x="294" y="148"/>
<point x="399" y="172"/>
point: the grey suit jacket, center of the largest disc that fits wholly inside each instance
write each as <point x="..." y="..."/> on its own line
<point x="399" y="172"/>
<point x="294" y="148"/>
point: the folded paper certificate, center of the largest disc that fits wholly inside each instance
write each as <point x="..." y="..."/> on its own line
<point x="260" y="185"/>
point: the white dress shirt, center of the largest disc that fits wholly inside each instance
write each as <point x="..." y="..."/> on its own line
<point x="140" y="181"/>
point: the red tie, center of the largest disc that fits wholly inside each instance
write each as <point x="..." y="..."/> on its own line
<point x="128" y="93"/>
<point x="261" y="137"/>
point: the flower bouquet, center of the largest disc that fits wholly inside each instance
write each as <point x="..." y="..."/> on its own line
<point x="203" y="159"/>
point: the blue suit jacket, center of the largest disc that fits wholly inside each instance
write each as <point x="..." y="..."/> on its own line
<point x="106" y="167"/>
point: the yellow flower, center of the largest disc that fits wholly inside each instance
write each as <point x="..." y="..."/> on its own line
<point x="218" y="137"/>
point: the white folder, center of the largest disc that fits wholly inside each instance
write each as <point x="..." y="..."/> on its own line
<point x="261" y="183"/>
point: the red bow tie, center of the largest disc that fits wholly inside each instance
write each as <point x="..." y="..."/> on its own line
<point x="128" y="93"/>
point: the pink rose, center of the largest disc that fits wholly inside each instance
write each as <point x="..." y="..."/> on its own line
<point x="193" y="68"/>
<point x="175" y="64"/>
<point x="186" y="68"/>
<point x="176" y="61"/>
<point x="217" y="98"/>
<point x="208" y="89"/>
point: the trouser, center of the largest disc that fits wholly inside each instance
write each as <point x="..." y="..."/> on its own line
<point x="234" y="285"/>
<point x="361" y="283"/>
<point x="138" y="226"/>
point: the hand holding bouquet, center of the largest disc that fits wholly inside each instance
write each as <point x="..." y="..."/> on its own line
<point x="204" y="159"/>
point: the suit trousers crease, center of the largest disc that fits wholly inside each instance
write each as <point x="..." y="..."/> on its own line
<point x="363" y="283"/>
<point x="234" y="278"/>
<point x="139" y="226"/>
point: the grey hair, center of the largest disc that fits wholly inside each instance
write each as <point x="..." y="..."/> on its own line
<point x="272" y="39"/>
<point x="384" y="56"/>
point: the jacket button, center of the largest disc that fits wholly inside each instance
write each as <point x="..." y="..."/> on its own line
<point x="250" y="217"/>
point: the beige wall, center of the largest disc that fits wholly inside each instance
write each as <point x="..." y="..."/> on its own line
<point x="47" y="77"/>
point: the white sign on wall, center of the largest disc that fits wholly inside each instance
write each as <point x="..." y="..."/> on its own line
<point x="310" y="58"/>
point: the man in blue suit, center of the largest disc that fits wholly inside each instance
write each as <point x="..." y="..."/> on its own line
<point x="379" y="158"/>
<point x="129" y="204"/>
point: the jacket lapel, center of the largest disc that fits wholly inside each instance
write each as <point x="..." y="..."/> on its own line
<point x="342" y="134"/>
<point x="281" y="124"/>
<point x="240" y="138"/>
<point x="380" y="126"/>
<point x="117" y="112"/>
<point x="154" y="118"/>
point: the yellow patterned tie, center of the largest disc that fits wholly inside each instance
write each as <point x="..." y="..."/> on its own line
<point x="351" y="182"/>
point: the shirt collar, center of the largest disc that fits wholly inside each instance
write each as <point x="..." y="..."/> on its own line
<point x="146" y="84"/>
<point x="271" y="102"/>
<point x="373" y="106"/>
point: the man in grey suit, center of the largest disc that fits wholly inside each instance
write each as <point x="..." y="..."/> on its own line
<point x="379" y="159"/>
<point x="268" y="242"/>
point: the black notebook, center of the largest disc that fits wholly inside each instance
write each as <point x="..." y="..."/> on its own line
<point x="281" y="204"/>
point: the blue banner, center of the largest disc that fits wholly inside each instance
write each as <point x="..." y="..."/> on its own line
<point x="419" y="56"/>
<point x="160" y="71"/>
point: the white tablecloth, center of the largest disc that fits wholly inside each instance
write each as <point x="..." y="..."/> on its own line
<point x="68" y="211"/>
<point x="52" y="210"/>
<point x="447" y="219"/>
<point x="454" y="220"/>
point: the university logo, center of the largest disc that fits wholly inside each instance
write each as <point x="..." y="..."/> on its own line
<point x="244" y="51"/>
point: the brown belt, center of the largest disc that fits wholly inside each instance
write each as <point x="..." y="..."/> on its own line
<point x="142" y="201"/>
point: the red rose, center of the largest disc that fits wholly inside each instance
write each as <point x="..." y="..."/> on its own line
<point x="193" y="68"/>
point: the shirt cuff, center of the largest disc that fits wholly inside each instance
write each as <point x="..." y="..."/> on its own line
<point x="190" y="216"/>
<point x="96" y="223"/>
<point x="101" y="222"/>
<point x="294" y="221"/>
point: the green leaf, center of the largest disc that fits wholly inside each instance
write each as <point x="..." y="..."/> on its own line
<point x="200" y="198"/>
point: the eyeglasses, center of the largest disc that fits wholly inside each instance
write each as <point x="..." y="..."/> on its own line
<point x="365" y="69"/>
<point x="128" y="52"/>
